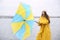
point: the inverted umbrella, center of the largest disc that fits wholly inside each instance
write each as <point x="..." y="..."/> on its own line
<point x="23" y="22"/>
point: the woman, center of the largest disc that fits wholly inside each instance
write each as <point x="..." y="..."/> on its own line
<point x="44" y="22"/>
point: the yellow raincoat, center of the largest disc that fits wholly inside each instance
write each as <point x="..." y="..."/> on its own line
<point x="44" y="33"/>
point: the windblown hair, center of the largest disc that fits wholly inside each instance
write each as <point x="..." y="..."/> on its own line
<point x="46" y="16"/>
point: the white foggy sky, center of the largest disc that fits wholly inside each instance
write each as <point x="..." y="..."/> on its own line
<point x="9" y="7"/>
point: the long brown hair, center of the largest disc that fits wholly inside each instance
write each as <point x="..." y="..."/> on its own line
<point x="45" y="15"/>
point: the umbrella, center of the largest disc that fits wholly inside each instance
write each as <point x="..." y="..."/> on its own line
<point x="22" y="22"/>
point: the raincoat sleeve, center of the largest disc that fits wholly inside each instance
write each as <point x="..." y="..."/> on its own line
<point x="43" y="20"/>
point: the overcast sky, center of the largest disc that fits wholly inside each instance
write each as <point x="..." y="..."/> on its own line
<point x="9" y="7"/>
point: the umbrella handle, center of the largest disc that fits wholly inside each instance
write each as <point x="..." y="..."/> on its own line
<point x="36" y="21"/>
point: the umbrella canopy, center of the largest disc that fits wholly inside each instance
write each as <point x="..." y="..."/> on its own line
<point x="22" y="22"/>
